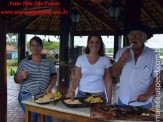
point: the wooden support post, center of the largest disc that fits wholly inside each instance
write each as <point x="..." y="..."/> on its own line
<point x="21" y="46"/>
<point x="64" y="43"/>
<point x="72" y="41"/>
<point x="3" y="68"/>
<point x="116" y="44"/>
<point x="3" y="76"/>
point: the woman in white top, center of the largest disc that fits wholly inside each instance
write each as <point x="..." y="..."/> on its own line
<point x="92" y="71"/>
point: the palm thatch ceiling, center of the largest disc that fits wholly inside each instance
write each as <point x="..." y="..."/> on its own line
<point x="94" y="17"/>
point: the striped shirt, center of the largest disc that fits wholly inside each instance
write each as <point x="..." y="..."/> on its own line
<point x="38" y="76"/>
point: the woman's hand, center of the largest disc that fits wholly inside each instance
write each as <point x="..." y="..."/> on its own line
<point x="47" y="91"/>
<point x="71" y="95"/>
<point x="24" y="74"/>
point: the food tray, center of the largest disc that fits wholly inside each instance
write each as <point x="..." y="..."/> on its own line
<point x="84" y="104"/>
<point x="49" y="100"/>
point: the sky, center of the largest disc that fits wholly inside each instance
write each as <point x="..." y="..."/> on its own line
<point x="155" y="42"/>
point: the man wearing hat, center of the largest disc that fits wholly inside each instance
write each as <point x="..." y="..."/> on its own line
<point x="138" y="67"/>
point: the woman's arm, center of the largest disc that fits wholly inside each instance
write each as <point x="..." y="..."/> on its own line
<point x="108" y="84"/>
<point x="21" y="76"/>
<point x="75" y="82"/>
<point x="51" y="84"/>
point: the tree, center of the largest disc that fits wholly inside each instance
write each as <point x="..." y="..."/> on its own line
<point x="12" y="39"/>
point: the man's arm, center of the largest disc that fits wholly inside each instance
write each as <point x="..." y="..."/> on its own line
<point x="151" y="90"/>
<point x="117" y="67"/>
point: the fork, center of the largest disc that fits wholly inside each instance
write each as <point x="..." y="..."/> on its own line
<point x="131" y="101"/>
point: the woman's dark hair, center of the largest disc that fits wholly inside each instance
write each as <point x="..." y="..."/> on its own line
<point x="102" y="46"/>
<point x="37" y="39"/>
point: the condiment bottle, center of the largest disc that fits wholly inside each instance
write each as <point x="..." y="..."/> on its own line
<point x="51" y="101"/>
<point x="33" y="96"/>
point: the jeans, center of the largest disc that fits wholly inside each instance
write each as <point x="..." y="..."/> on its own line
<point x="149" y="105"/>
<point x="34" y="116"/>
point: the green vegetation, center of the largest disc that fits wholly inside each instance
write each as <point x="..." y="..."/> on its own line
<point x="11" y="70"/>
<point x="109" y="50"/>
<point x="162" y="60"/>
<point x="13" y="62"/>
<point x="52" y="46"/>
<point x="11" y="40"/>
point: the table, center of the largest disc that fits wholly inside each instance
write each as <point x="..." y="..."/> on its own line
<point x="59" y="110"/>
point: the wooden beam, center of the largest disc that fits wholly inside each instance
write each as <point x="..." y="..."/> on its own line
<point x="150" y="16"/>
<point x="103" y="32"/>
<point x="24" y="24"/>
<point x="86" y="18"/>
<point x="49" y="24"/>
<point x="160" y="2"/>
<point x="30" y="20"/>
<point x="83" y="5"/>
<point x="15" y="20"/>
<point x="80" y="33"/>
<point x="34" y="21"/>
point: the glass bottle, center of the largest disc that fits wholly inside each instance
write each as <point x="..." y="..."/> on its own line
<point x="51" y="101"/>
<point x="33" y="97"/>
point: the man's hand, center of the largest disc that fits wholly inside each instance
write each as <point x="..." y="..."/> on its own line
<point x="125" y="56"/>
<point x="142" y="98"/>
<point x="24" y="74"/>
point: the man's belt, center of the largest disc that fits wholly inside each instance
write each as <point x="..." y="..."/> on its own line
<point x="90" y="94"/>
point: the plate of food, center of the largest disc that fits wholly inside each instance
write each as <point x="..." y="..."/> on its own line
<point x="76" y="103"/>
<point x="46" y="98"/>
<point x="93" y="100"/>
<point x="80" y="102"/>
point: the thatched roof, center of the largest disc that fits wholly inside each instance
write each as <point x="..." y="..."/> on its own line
<point x="94" y="17"/>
